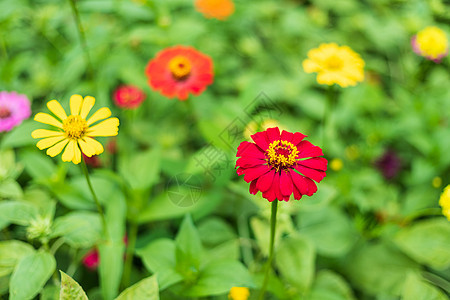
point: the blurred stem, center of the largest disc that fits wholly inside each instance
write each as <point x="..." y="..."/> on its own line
<point x="73" y="263"/>
<point x="99" y="207"/>
<point x="247" y="254"/>
<point x="5" y="50"/>
<point x="76" y="16"/>
<point x="434" y="211"/>
<point x="327" y="114"/>
<point x="58" y="243"/>
<point x="132" y="236"/>
<point x="273" y="223"/>
<point x="437" y="280"/>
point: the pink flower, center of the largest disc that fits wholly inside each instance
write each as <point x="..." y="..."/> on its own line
<point x="91" y="259"/>
<point x="14" y="108"/>
<point x="128" y="96"/>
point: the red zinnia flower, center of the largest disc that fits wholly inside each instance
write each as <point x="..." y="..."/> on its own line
<point x="280" y="165"/>
<point x="128" y="96"/>
<point x="180" y="70"/>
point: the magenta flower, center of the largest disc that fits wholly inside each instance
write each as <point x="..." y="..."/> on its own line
<point x="14" y="108"/>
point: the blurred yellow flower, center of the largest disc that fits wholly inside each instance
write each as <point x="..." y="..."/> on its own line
<point x="444" y="202"/>
<point x="431" y="43"/>
<point x="335" y="64"/>
<point x="239" y="293"/>
<point x="74" y="131"/>
<point x="437" y="182"/>
<point x="254" y="127"/>
<point x="336" y="164"/>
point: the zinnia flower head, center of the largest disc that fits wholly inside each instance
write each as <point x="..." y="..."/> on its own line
<point x="444" y="202"/>
<point x="74" y="132"/>
<point x="280" y="165"/>
<point x="14" y="108"/>
<point x="91" y="260"/>
<point x="238" y="293"/>
<point x="180" y="70"/>
<point x="431" y="43"/>
<point x="335" y="64"/>
<point x="128" y="96"/>
<point x="219" y="9"/>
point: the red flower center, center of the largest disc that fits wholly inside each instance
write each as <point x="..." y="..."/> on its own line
<point x="281" y="155"/>
<point x="4" y="112"/>
<point x="180" y="67"/>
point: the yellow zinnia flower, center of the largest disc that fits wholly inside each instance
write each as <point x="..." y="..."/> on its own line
<point x="335" y="64"/>
<point x="444" y="202"/>
<point x="239" y="293"/>
<point x="74" y="130"/>
<point x="431" y="43"/>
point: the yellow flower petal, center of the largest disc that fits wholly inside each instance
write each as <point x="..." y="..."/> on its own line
<point x="98" y="148"/>
<point x="48" y="142"/>
<point x="88" y="103"/>
<point x="77" y="155"/>
<point x="47" y="119"/>
<point x="108" y="127"/>
<point x="69" y="152"/>
<point x="43" y="133"/>
<point x="56" y="149"/>
<point x="57" y="109"/>
<point x="100" y="114"/>
<point x="75" y="104"/>
<point x="86" y="148"/>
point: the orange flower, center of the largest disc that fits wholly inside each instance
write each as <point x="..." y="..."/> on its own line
<point x="219" y="9"/>
<point x="180" y="70"/>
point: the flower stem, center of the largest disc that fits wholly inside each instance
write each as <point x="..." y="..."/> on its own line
<point x="99" y="207"/>
<point x="326" y="122"/>
<point x="273" y="223"/>
<point x="132" y="235"/>
<point x="76" y="16"/>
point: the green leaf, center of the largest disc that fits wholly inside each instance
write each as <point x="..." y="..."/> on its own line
<point x="70" y="289"/>
<point x="329" y="229"/>
<point x="214" y="231"/>
<point x="189" y="248"/>
<point x="141" y="170"/>
<point x="427" y="241"/>
<point x="295" y="260"/>
<point x="11" y="252"/>
<point x="18" y="212"/>
<point x="30" y="275"/>
<point x="38" y="165"/>
<point x="159" y="257"/>
<point x="415" y="288"/>
<point x="218" y="278"/>
<point x="21" y="135"/>
<point x="79" y="229"/>
<point x="330" y="286"/>
<point x="145" y="289"/>
<point x="10" y="189"/>
<point x="8" y="167"/>
<point x="379" y="269"/>
<point x="50" y="292"/>
<point x="112" y="252"/>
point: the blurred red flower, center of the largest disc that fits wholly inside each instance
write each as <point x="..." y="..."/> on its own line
<point x="91" y="259"/>
<point x="280" y="165"/>
<point x="180" y="70"/>
<point x="128" y="96"/>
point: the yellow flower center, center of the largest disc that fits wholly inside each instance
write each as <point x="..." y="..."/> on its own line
<point x="180" y="67"/>
<point x="4" y="112"/>
<point x="334" y="63"/>
<point x="75" y="127"/>
<point x="281" y="154"/>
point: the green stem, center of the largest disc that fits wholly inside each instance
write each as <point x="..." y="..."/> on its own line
<point x="243" y="231"/>
<point x="433" y="211"/>
<point x="58" y="243"/>
<point x="132" y="236"/>
<point x="76" y="16"/>
<point x="273" y="223"/>
<point x="326" y="121"/>
<point x="437" y="280"/>
<point x="99" y="207"/>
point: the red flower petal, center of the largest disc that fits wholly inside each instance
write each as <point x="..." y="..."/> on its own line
<point x="299" y="182"/>
<point x="298" y="137"/>
<point x="308" y="150"/>
<point x="249" y="149"/>
<point x="316" y="175"/>
<point x="265" y="182"/>
<point x="287" y="136"/>
<point x="248" y="162"/>
<point x="253" y="190"/>
<point x="261" y="140"/>
<point x="297" y="194"/>
<point x="276" y="186"/>
<point x="253" y="173"/>
<point x="286" y="184"/>
<point x="318" y="163"/>
<point x="273" y="134"/>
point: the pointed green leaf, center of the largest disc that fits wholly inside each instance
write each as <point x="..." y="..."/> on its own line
<point x="30" y="275"/>
<point x="18" y="212"/>
<point x="11" y="252"/>
<point x="189" y="248"/>
<point x="70" y="289"/>
<point x="415" y="288"/>
<point x="330" y="286"/>
<point x="145" y="289"/>
<point x="141" y="170"/>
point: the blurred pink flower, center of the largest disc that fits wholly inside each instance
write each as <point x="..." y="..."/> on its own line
<point x="91" y="259"/>
<point x="14" y="108"/>
<point x="128" y="96"/>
